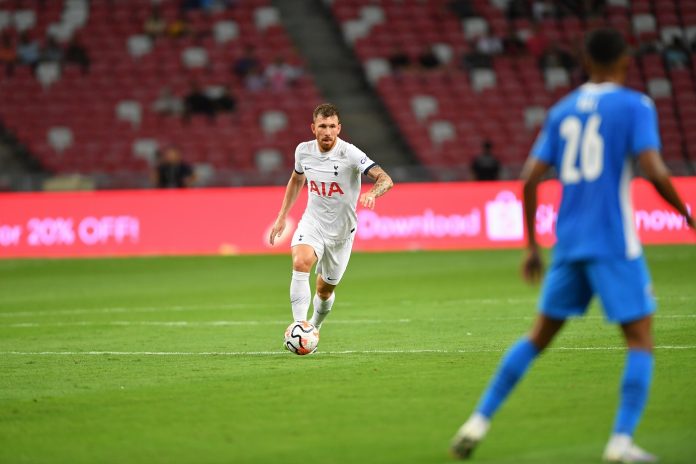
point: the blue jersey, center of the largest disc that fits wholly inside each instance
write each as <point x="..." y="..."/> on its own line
<point x="591" y="137"/>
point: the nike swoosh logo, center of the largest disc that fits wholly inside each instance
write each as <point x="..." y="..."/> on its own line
<point x="329" y="278"/>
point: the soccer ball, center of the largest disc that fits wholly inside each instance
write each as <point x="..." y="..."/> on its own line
<point x="301" y="338"/>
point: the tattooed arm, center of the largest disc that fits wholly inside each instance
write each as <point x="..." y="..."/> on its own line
<point x="382" y="184"/>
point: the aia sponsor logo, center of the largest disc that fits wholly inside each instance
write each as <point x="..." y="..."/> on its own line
<point x="325" y="189"/>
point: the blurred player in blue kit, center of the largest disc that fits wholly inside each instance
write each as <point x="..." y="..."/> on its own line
<point x="592" y="138"/>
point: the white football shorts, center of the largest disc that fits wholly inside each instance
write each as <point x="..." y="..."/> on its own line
<point x="332" y="255"/>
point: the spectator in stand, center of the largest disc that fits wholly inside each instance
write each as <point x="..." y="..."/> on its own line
<point x="428" y="60"/>
<point x="676" y="54"/>
<point x="246" y="62"/>
<point x="476" y="60"/>
<point x="517" y="9"/>
<point x="648" y="47"/>
<point x="513" y="45"/>
<point x="489" y="44"/>
<point x="197" y="102"/>
<point x="180" y="27"/>
<point x="207" y="5"/>
<point x="187" y="5"/>
<point x="168" y="104"/>
<point x="155" y="25"/>
<point x="224" y="102"/>
<point x="8" y="54"/>
<point x="483" y="48"/>
<point x="255" y="81"/>
<point x="172" y="171"/>
<point x="543" y="9"/>
<point x="222" y="5"/>
<point x="462" y="8"/>
<point x="280" y="75"/>
<point x="28" y="50"/>
<point x="584" y="9"/>
<point x="537" y="42"/>
<point x="399" y="60"/>
<point x="76" y="53"/>
<point x="51" y="52"/>
<point x="556" y="57"/>
<point x="486" y="166"/>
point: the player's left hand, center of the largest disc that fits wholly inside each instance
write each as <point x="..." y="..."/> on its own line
<point x="532" y="267"/>
<point x="367" y="200"/>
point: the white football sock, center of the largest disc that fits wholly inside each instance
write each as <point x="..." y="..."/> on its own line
<point x="300" y="295"/>
<point x="322" y="308"/>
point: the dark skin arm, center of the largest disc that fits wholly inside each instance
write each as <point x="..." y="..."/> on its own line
<point x="532" y="174"/>
<point x="650" y="163"/>
<point x="654" y="168"/>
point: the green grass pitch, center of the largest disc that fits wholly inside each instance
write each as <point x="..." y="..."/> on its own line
<point x="179" y="360"/>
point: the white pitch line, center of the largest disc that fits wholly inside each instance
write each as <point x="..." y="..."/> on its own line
<point x="226" y="306"/>
<point x="221" y="307"/>
<point x="232" y="323"/>
<point x="188" y="323"/>
<point x="117" y="309"/>
<point x="285" y="353"/>
<point x="179" y="308"/>
<point x="574" y="318"/>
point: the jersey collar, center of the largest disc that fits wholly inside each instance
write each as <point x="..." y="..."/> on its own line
<point x="599" y="87"/>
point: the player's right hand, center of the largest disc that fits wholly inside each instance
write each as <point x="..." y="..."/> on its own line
<point x="532" y="267"/>
<point x="277" y="230"/>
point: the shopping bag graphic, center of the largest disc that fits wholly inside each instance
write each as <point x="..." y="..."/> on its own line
<point x="504" y="219"/>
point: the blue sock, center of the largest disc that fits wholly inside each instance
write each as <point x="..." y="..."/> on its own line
<point x="511" y="369"/>
<point x="634" y="390"/>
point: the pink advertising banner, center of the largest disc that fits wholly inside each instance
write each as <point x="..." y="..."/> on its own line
<point x="229" y="221"/>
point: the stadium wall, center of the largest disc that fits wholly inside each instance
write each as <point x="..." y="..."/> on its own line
<point x="436" y="216"/>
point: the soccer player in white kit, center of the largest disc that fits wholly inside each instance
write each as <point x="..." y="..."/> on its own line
<point x="332" y="168"/>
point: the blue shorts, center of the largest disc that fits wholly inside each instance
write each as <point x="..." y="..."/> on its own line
<point x="623" y="286"/>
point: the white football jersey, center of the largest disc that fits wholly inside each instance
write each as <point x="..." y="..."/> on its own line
<point x="333" y="184"/>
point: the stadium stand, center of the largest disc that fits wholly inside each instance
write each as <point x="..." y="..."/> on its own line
<point x="472" y="70"/>
<point x="502" y="95"/>
<point x="102" y="121"/>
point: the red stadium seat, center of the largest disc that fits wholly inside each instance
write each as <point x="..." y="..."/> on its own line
<point x="86" y="102"/>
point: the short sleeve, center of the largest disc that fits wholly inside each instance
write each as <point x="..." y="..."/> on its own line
<point x="359" y="159"/>
<point x="298" y="163"/>
<point x="544" y="148"/>
<point x="644" y="131"/>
